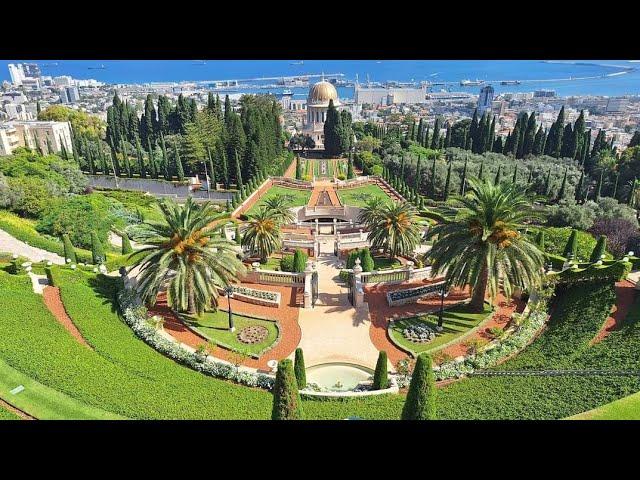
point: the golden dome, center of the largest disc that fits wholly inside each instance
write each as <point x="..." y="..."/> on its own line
<point x="321" y="93"/>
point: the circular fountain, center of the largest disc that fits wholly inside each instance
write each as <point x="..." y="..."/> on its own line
<point x="338" y="377"/>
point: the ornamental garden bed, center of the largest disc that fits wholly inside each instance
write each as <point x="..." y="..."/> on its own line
<point x="412" y="295"/>
<point x="257" y="297"/>
<point x="214" y="326"/>
<point x="458" y="322"/>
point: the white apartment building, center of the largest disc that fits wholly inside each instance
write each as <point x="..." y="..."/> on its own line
<point x="16" y="73"/>
<point x="34" y="133"/>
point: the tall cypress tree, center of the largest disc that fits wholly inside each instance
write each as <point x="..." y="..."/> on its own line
<point x="211" y="167"/>
<point x="599" y="186"/>
<point x="537" y="147"/>
<point x="418" y="174"/>
<point x="436" y="135"/>
<point x="445" y="194"/>
<point x="447" y="138"/>
<point x="432" y="179"/>
<point x="141" y="167"/>
<point x="547" y="183"/>
<point x="333" y="131"/>
<point x="463" y="180"/>
<point x="563" y="186"/>
<point x="239" y="183"/>
<point x="481" y="172"/>
<point x="125" y="158"/>
<point x="557" y="146"/>
<point x="178" y="162"/>
<point x="514" y="179"/>
<point x="579" y="187"/>
<point x="530" y="135"/>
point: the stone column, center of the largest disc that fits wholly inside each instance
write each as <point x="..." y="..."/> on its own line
<point x="308" y="272"/>
<point x="358" y="292"/>
<point x="317" y="228"/>
<point x="335" y="226"/>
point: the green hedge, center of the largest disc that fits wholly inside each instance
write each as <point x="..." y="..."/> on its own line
<point x="24" y="230"/>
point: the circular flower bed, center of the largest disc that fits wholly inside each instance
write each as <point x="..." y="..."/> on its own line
<point x="253" y="334"/>
<point x="419" y="333"/>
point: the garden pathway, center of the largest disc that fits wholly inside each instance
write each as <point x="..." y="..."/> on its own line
<point x="625" y="296"/>
<point x="12" y="245"/>
<point x="53" y="301"/>
<point x="333" y="331"/>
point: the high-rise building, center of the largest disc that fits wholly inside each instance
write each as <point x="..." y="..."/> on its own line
<point x="16" y="73"/>
<point x="31" y="70"/>
<point x="485" y="99"/>
<point x="69" y="95"/>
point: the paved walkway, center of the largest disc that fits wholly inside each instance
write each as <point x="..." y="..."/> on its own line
<point x="333" y="331"/>
<point x="12" y="245"/>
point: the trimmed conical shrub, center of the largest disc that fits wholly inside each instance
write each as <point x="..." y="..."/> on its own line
<point x="599" y="249"/>
<point x="381" y="375"/>
<point x="299" y="261"/>
<point x="97" y="250"/>
<point x="366" y="260"/>
<point x="540" y="240"/>
<point x="286" y="398"/>
<point x="571" y="248"/>
<point x="126" y="244"/>
<point x="69" y="252"/>
<point x="299" y="369"/>
<point x="421" y="398"/>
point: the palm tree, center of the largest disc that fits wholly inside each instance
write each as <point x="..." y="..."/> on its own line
<point x="480" y="242"/>
<point x="393" y="226"/>
<point x="279" y="206"/>
<point x="187" y="249"/>
<point x="262" y="234"/>
<point x="371" y="210"/>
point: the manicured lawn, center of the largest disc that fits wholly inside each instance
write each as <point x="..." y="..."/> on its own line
<point x="297" y="197"/>
<point x="42" y="402"/>
<point x="627" y="408"/>
<point x="358" y="197"/>
<point x="273" y="263"/>
<point x="7" y="415"/>
<point x="215" y="325"/>
<point x="456" y="322"/>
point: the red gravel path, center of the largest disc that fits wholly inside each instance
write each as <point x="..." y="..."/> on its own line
<point x="286" y="314"/>
<point x="51" y="297"/>
<point x="625" y="295"/>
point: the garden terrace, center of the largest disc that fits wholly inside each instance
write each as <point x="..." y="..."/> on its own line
<point x="458" y="322"/>
<point x="358" y="196"/>
<point x="214" y="326"/>
<point x="297" y="197"/>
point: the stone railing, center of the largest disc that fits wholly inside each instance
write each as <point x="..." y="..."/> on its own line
<point x="397" y="275"/>
<point x="255" y="296"/>
<point x="288" y="279"/>
<point x="324" y="211"/>
<point x="292" y="182"/>
<point x="355" y="182"/>
<point x="412" y="295"/>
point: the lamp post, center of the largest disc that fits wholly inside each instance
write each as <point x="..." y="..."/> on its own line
<point x="229" y="291"/>
<point x="443" y="293"/>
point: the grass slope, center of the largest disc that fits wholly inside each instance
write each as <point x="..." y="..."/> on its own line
<point x="297" y="197"/>
<point x="358" y="196"/>
<point x="43" y="402"/>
